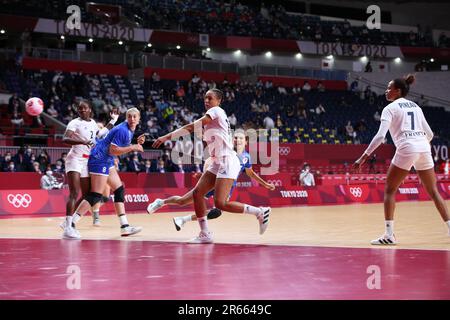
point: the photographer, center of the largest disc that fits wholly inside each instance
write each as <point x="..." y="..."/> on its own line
<point x="306" y="177"/>
<point x="49" y="182"/>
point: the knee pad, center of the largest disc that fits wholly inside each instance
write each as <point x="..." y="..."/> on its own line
<point x="105" y="199"/>
<point x="119" y="194"/>
<point x="214" y="213"/>
<point x="93" y="198"/>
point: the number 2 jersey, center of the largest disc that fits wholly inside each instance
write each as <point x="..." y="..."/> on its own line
<point x="408" y="127"/>
<point x="87" y="130"/>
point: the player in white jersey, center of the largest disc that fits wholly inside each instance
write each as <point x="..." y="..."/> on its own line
<point x="246" y="166"/>
<point x="411" y="135"/>
<point x="81" y="134"/>
<point x="224" y="169"/>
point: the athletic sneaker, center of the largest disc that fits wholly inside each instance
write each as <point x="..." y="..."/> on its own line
<point x="384" y="240"/>
<point x="214" y="213"/>
<point x="63" y="224"/>
<point x="203" y="237"/>
<point x="155" y="205"/>
<point x="71" y="233"/>
<point x="263" y="219"/>
<point x="178" y="222"/>
<point x="130" y="230"/>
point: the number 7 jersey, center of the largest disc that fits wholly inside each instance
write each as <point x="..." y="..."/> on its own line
<point x="408" y="127"/>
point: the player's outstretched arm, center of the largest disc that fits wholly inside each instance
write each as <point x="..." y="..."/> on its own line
<point x="183" y="131"/>
<point x="70" y="137"/>
<point x="118" y="151"/>
<point x="252" y="174"/>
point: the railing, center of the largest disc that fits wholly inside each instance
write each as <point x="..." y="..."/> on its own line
<point x="284" y="71"/>
<point x="135" y="60"/>
<point x="433" y="100"/>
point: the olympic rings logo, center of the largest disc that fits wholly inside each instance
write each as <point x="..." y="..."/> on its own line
<point x="276" y="183"/>
<point x="284" y="151"/>
<point x="356" y="192"/>
<point x="19" y="200"/>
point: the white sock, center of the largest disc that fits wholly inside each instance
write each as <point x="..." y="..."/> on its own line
<point x="69" y="220"/>
<point x="251" y="210"/>
<point x="389" y="224"/>
<point x="123" y="219"/>
<point x="76" y="217"/>
<point x="448" y="225"/>
<point x="95" y="213"/>
<point x="203" y="222"/>
<point x="186" y="218"/>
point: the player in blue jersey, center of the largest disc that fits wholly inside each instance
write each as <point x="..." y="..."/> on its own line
<point x="102" y="172"/>
<point x="246" y="166"/>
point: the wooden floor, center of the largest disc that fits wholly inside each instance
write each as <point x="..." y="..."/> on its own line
<point x="417" y="226"/>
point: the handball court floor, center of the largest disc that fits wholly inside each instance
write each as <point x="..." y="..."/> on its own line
<point x="306" y="253"/>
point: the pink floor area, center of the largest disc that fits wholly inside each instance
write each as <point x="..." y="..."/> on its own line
<point x="110" y="269"/>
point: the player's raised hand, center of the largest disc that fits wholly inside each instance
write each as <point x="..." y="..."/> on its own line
<point x="114" y="114"/>
<point x="141" y="139"/>
<point x="158" y="142"/>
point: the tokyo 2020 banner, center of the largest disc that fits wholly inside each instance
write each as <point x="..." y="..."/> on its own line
<point x="45" y="203"/>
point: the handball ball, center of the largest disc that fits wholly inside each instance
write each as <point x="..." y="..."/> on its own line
<point x="34" y="106"/>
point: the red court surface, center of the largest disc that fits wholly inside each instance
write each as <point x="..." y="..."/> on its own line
<point x="110" y="269"/>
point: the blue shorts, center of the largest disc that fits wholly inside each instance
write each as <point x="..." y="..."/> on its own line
<point x="211" y="193"/>
<point x="99" y="167"/>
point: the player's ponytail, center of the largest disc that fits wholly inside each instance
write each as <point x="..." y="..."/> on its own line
<point x="404" y="83"/>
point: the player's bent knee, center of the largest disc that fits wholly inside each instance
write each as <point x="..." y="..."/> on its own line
<point x="119" y="194"/>
<point x="220" y="204"/>
<point x="93" y="198"/>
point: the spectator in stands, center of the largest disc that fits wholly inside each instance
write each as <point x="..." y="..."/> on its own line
<point x="354" y="86"/>
<point x="268" y="123"/>
<point x="147" y="167"/>
<point x="44" y="159"/>
<point x="134" y="165"/>
<point x="377" y="116"/>
<point x="233" y="121"/>
<point x="367" y="92"/>
<point x="368" y="67"/>
<point x="17" y="120"/>
<point x="301" y="108"/>
<point x="4" y="163"/>
<point x="156" y="77"/>
<point x="160" y="167"/>
<point x="36" y="167"/>
<point x="63" y="158"/>
<point x="282" y="90"/>
<point x="320" y="110"/>
<point x="11" y="167"/>
<point x="349" y="129"/>
<point x="14" y="103"/>
<point x="320" y="87"/>
<point x="279" y="122"/>
<point x="58" y="167"/>
<point x="52" y="111"/>
<point x="306" y="86"/>
<point x="306" y="177"/>
<point x="49" y="182"/>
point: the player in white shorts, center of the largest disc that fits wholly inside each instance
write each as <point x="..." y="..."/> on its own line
<point x="81" y="134"/>
<point x="224" y="169"/>
<point x="411" y="135"/>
